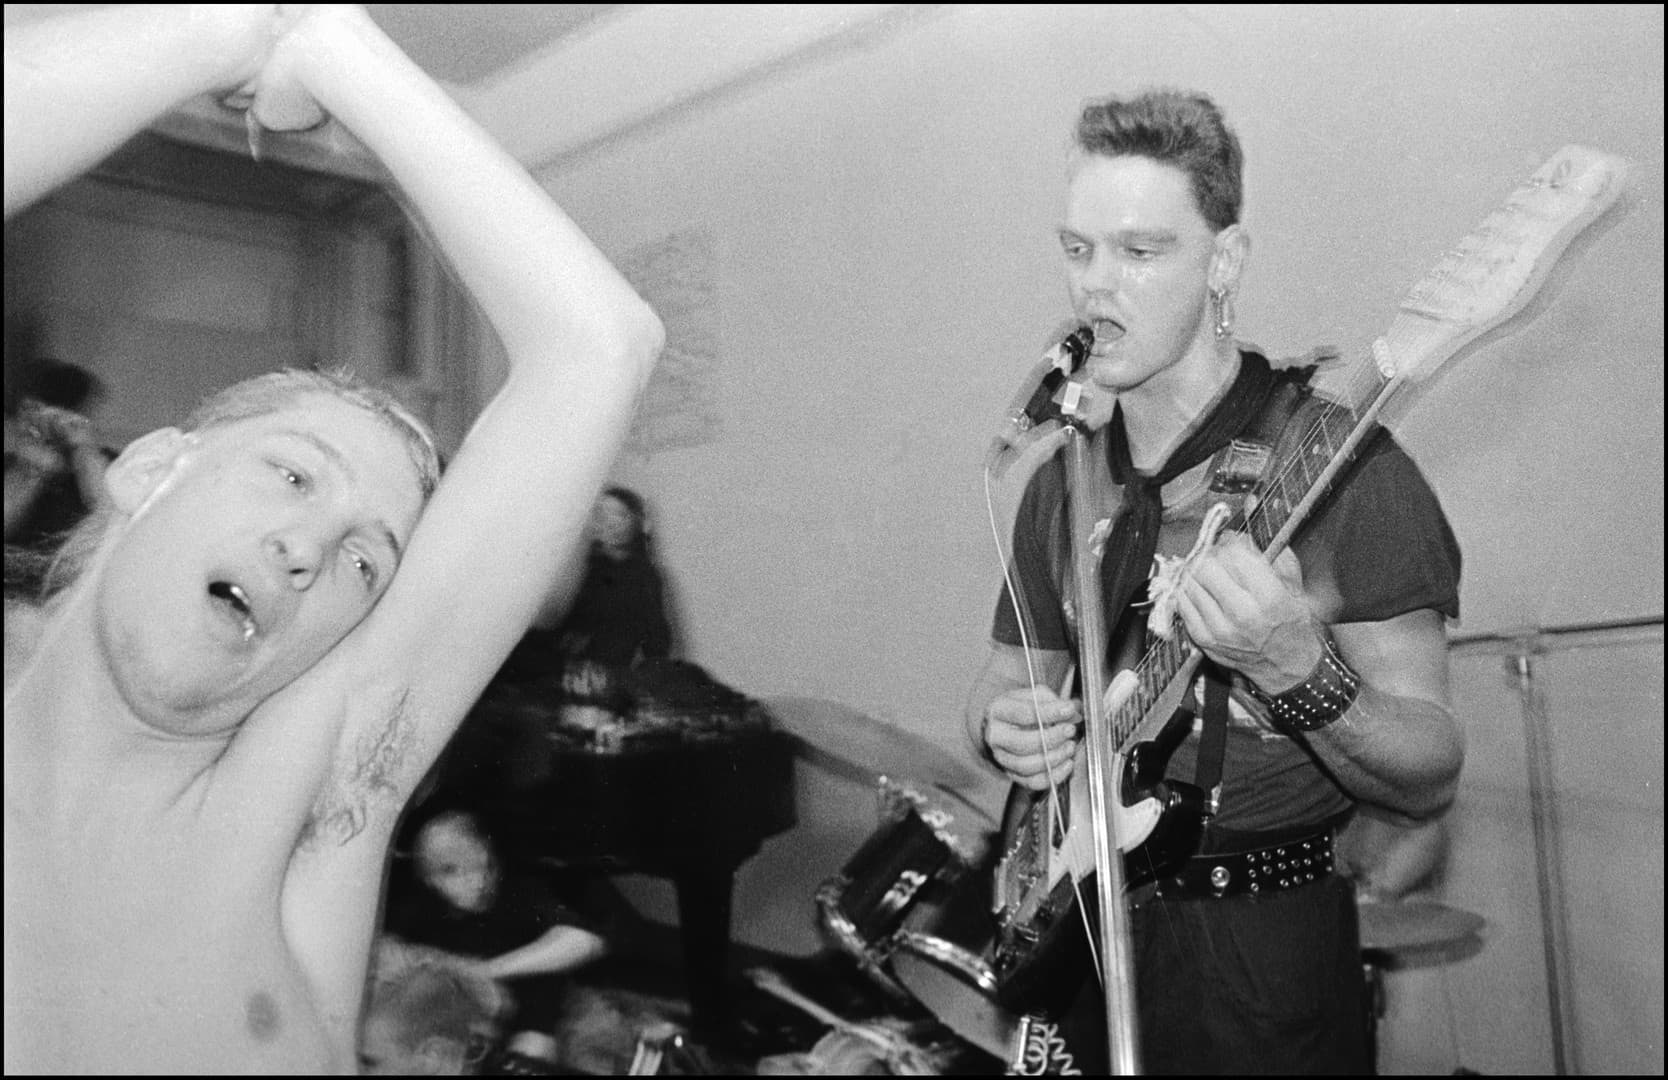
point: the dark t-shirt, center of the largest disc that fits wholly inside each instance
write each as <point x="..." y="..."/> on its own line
<point x="1379" y="546"/>
<point x="35" y="537"/>
<point x="617" y="617"/>
<point x="619" y="613"/>
<point x="526" y="906"/>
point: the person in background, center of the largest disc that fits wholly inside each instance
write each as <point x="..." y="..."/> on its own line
<point x="251" y="659"/>
<point x="1391" y="859"/>
<point x="618" y="618"/>
<point x="54" y="464"/>
<point x="497" y="920"/>
<point x="426" y="1017"/>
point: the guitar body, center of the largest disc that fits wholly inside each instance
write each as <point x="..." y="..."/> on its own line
<point x="1041" y="953"/>
<point x="1182" y="807"/>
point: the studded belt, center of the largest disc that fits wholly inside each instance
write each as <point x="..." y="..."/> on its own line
<point x="1286" y="865"/>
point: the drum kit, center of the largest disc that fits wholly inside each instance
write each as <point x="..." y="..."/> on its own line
<point x="912" y="907"/>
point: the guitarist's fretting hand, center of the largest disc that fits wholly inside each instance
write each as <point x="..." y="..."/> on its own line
<point x="1249" y="615"/>
<point x="1398" y="747"/>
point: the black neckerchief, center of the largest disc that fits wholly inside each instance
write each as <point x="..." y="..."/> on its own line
<point x="1134" y="538"/>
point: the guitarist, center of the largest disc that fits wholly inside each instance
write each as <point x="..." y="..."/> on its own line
<point x="1330" y="665"/>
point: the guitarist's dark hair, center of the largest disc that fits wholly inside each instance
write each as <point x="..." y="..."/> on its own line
<point x="1173" y="127"/>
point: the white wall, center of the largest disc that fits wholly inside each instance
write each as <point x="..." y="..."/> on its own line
<point x="169" y="298"/>
<point x="886" y="272"/>
<point x="165" y="300"/>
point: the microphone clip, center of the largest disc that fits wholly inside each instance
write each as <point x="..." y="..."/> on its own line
<point x="1046" y="397"/>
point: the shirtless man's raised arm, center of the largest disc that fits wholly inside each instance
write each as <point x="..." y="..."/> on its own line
<point x="278" y="626"/>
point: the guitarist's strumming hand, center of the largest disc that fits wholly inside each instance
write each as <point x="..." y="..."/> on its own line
<point x="1033" y="759"/>
<point x="1249" y="615"/>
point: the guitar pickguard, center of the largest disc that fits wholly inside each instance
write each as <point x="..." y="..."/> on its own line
<point x="1045" y="872"/>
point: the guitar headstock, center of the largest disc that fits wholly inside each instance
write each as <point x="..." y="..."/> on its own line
<point x="1489" y="276"/>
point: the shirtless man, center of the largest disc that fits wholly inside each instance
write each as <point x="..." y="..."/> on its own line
<point x="207" y="752"/>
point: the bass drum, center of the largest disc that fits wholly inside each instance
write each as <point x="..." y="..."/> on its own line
<point x="942" y="956"/>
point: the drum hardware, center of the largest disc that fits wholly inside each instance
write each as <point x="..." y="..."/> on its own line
<point x="913" y="908"/>
<point x="1415" y="926"/>
<point x="914" y="854"/>
<point x="902" y="1057"/>
<point x="942" y="956"/>
<point x="1409" y="933"/>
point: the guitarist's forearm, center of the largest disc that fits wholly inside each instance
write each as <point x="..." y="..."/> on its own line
<point x="1400" y="753"/>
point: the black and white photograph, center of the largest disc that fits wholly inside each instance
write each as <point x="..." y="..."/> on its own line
<point x="834" y="539"/>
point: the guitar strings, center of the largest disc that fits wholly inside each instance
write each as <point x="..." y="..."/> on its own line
<point x="1361" y="380"/>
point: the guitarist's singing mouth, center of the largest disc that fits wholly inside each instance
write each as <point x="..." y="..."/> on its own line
<point x="1102" y="332"/>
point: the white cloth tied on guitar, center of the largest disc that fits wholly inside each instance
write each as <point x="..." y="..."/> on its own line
<point x="1165" y="585"/>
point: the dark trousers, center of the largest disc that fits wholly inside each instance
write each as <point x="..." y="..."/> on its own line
<point x="1250" y="984"/>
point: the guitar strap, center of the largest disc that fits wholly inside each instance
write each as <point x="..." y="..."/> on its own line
<point x="1237" y="470"/>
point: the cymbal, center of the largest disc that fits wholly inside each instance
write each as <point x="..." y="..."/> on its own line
<point x="1404" y="925"/>
<point x="872" y="748"/>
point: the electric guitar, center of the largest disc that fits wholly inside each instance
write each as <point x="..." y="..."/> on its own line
<point x="1054" y="840"/>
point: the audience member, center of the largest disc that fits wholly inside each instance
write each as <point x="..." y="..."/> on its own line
<point x="426" y="1017"/>
<point x="54" y="464"/>
<point x="500" y="920"/>
<point x="619" y="616"/>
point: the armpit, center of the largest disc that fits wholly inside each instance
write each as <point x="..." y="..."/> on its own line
<point x="365" y="782"/>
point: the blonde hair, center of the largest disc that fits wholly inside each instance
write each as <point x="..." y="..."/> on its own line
<point x="261" y="396"/>
<point x="435" y="1000"/>
<point x="265" y="394"/>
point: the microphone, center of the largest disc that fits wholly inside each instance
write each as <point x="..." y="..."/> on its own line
<point x="1035" y="406"/>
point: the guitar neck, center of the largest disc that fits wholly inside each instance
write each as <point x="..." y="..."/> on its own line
<point x="1304" y="476"/>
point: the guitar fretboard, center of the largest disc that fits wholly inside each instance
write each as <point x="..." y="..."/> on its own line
<point x="1301" y="474"/>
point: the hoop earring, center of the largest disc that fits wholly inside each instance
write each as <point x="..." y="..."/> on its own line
<point x="1222" y="304"/>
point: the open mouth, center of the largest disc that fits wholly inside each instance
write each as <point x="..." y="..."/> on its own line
<point x="1106" y="331"/>
<point x="237" y="605"/>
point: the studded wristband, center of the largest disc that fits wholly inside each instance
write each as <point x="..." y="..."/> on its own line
<point x="1319" y="700"/>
